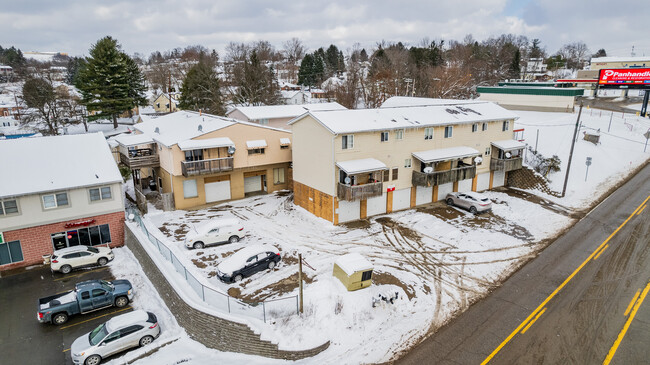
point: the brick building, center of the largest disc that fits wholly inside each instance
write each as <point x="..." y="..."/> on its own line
<point x="58" y="192"/>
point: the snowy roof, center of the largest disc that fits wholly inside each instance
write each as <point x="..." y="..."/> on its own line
<point x="288" y="94"/>
<point x="283" y="111"/>
<point x="56" y="163"/>
<point x="196" y="144"/>
<point x="181" y="126"/>
<point x="285" y="141"/>
<point x="620" y="59"/>
<point x="361" y="166"/>
<point x="366" y="120"/>
<point x="127" y="319"/>
<point x="508" y="145"/>
<point x="353" y="262"/>
<point x="443" y="154"/>
<point x="128" y="140"/>
<point x="413" y="101"/>
<point x="238" y="259"/>
<point x="260" y="143"/>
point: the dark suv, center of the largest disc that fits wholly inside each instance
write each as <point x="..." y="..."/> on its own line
<point x="247" y="262"/>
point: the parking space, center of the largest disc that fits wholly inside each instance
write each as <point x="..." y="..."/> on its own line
<point x="23" y="338"/>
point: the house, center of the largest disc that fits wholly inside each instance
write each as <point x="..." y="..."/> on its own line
<point x="199" y="159"/>
<point x="535" y="69"/>
<point x="6" y="73"/>
<point x="70" y="195"/>
<point x="277" y="116"/>
<point x="352" y="164"/>
<point x="166" y="102"/>
<point x="10" y="110"/>
<point x="293" y="97"/>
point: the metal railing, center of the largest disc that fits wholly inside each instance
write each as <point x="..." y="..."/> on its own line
<point x="136" y="162"/>
<point x="443" y="177"/>
<point x="359" y="192"/>
<point x="192" y="168"/>
<point x="510" y="164"/>
<point x="272" y="308"/>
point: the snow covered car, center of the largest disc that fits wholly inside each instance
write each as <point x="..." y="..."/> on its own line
<point x="66" y="259"/>
<point x="137" y="328"/>
<point x="247" y="262"/>
<point x="474" y="202"/>
<point x="213" y="232"/>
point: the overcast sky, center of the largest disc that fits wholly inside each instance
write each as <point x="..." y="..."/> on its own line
<point x="143" y="26"/>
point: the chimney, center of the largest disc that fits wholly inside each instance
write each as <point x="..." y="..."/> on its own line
<point x="199" y="112"/>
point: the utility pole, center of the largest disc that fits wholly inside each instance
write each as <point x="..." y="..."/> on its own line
<point x="300" y="280"/>
<point x="573" y="143"/>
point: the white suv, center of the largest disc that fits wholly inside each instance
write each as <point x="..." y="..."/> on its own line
<point x="66" y="259"/>
<point x="223" y="230"/>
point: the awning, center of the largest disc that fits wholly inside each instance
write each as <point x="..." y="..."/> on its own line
<point x="261" y="143"/>
<point x="360" y="166"/>
<point x="128" y="140"/>
<point x="199" y="144"/>
<point x="508" y="145"/>
<point x="444" y="154"/>
<point x="285" y="141"/>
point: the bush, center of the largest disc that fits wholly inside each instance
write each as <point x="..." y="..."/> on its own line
<point x="541" y="164"/>
<point x="125" y="171"/>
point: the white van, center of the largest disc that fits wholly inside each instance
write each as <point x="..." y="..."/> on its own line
<point x="213" y="232"/>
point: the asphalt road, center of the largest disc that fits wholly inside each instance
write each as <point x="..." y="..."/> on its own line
<point x="23" y="339"/>
<point x="575" y="303"/>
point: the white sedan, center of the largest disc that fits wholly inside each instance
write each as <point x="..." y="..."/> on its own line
<point x="474" y="202"/>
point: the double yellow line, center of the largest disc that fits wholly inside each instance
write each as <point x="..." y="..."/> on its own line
<point x="541" y="308"/>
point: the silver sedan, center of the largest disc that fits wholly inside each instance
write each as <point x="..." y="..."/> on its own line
<point x="474" y="202"/>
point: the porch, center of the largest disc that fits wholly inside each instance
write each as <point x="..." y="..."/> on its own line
<point x="445" y="165"/>
<point x="360" y="179"/>
<point x="204" y="167"/>
<point x="507" y="155"/>
<point x="137" y="151"/>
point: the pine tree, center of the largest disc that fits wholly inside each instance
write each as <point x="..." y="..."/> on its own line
<point x="200" y="90"/>
<point x="305" y="76"/>
<point x="110" y="82"/>
<point x="515" y="68"/>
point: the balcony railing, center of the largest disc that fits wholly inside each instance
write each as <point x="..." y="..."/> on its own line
<point x="497" y="164"/>
<point x="203" y="167"/>
<point x="443" y="177"/>
<point x="138" y="161"/>
<point x="359" y="192"/>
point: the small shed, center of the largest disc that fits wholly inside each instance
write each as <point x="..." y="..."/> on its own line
<point x="354" y="271"/>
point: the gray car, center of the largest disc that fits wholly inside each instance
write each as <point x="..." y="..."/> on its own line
<point x="474" y="202"/>
<point x="137" y="328"/>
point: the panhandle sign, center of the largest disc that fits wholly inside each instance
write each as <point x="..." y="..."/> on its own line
<point x="625" y="78"/>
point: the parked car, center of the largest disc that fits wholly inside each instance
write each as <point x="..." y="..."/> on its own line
<point x="87" y="296"/>
<point x="213" y="232"/>
<point x="137" y="328"/>
<point x="247" y="262"/>
<point x="66" y="259"/>
<point x="474" y="202"/>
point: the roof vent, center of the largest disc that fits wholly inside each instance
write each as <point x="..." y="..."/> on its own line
<point x="200" y="128"/>
<point x="157" y="130"/>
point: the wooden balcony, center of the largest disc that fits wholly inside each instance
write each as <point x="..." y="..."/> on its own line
<point x="359" y="192"/>
<point x="443" y="177"/>
<point x="510" y="164"/>
<point x="204" y="167"/>
<point x="137" y="159"/>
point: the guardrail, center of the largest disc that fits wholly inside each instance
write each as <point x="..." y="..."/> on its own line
<point x="202" y="167"/>
<point x="273" y="308"/>
<point x="359" y="192"/>
<point x="443" y="177"/>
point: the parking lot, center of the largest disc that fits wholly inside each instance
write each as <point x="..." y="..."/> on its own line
<point x="23" y="338"/>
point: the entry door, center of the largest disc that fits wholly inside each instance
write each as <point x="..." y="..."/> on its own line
<point x="253" y="183"/>
<point x="59" y="241"/>
<point x="217" y="191"/>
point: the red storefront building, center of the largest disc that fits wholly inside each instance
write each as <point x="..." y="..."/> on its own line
<point x="58" y="192"/>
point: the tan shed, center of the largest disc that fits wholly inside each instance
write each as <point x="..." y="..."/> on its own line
<point x="354" y="271"/>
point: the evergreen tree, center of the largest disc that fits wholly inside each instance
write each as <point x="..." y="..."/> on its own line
<point x="110" y="82"/>
<point x="363" y="55"/>
<point x="305" y="76"/>
<point x="515" y="68"/>
<point x="200" y="90"/>
<point x="535" y="50"/>
<point x="74" y="64"/>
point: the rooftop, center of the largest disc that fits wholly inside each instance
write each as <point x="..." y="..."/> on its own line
<point x="621" y="59"/>
<point x="284" y="111"/>
<point x="172" y="128"/>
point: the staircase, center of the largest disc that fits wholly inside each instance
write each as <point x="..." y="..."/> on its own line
<point x="526" y="178"/>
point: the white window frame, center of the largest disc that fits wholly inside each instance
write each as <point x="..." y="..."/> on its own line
<point x="488" y="150"/>
<point x="3" y="208"/>
<point x="428" y="133"/>
<point x="256" y="151"/>
<point x="55" y="199"/>
<point x="347" y="141"/>
<point x="277" y="179"/>
<point x="474" y="127"/>
<point x="101" y="193"/>
<point x="399" y="134"/>
<point x="408" y="163"/>
<point x="449" y="131"/>
<point x="485" y="127"/>
<point x="187" y="188"/>
<point x="384" y="136"/>
<point x="506" y="125"/>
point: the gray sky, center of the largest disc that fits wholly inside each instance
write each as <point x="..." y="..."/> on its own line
<point x="143" y="26"/>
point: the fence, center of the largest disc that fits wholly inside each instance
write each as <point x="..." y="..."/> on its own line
<point x="273" y="308"/>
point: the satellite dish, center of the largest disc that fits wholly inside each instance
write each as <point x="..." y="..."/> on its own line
<point x="478" y="159"/>
<point x="508" y="155"/>
<point x="348" y="180"/>
<point x="200" y="128"/>
<point x="428" y="170"/>
<point x="157" y="130"/>
<point x="231" y="150"/>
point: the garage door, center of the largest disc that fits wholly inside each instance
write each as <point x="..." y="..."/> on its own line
<point x="217" y="191"/>
<point x="349" y="211"/>
<point x="376" y="205"/>
<point x="465" y="185"/>
<point x="499" y="178"/>
<point x="401" y="199"/>
<point x="253" y="183"/>
<point x="423" y="195"/>
<point x="483" y="182"/>
<point x="444" y="189"/>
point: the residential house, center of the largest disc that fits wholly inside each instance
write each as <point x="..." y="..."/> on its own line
<point x="10" y="110"/>
<point x="277" y="116"/>
<point x="6" y="73"/>
<point x="166" y="102"/>
<point x="65" y="191"/>
<point x="352" y="164"/>
<point x="293" y="97"/>
<point x="200" y="159"/>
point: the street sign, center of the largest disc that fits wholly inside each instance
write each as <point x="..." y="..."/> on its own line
<point x="647" y="135"/>
<point x="588" y="162"/>
<point x="2" y="238"/>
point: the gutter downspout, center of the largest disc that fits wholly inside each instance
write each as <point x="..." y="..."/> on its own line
<point x="335" y="179"/>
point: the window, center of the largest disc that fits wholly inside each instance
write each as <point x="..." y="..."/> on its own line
<point x="474" y="127"/>
<point x="10" y="252"/>
<point x="449" y="130"/>
<point x="256" y="151"/>
<point x="395" y="171"/>
<point x="399" y="134"/>
<point x="506" y="125"/>
<point x="366" y="275"/>
<point x="112" y="337"/>
<point x="55" y="200"/>
<point x="85" y="295"/>
<point x="102" y="193"/>
<point x="98" y="293"/>
<point x="264" y="121"/>
<point x="285" y="147"/>
<point x="278" y="175"/>
<point x="484" y="126"/>
<point x="189" y="189"/>
<point x="96" y="235"/>
<point x="384" y="136"/>
<point x="487" y="151"/>
<point x="428" y="133"/>
<point x="129" y="330"/>
<point x="407" y="163"/>
<point x="386" y="175"/>
<point x="347" y="141"/>
<point x="8" y="207"/>
<point x="194" y="155"/>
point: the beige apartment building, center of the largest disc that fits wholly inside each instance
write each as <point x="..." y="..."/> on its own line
<point x="278" y="116"/>
<point x="352" y="164"/>
<point x="201" y="159"/>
